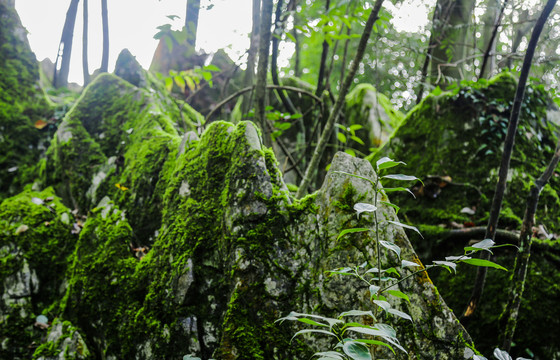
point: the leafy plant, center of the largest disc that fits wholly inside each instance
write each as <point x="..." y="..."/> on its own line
<point x="356" y="340"/>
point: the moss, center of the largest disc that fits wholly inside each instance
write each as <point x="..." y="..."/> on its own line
<point x="22" y="103"/>
<point x="35" y="240"/>
<point x="65" y="336"/>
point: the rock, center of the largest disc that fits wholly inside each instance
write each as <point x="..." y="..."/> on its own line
<point x="128" y="68"/>
<point x="63" y="342"/>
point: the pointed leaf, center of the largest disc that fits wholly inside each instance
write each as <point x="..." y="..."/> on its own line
<point x="457" y="258"/>
<point x="398" y="189"/>
<point x="352" y="230"/>
<point x="400" y="314"/>
<point x="363" y="207"/>
<point x="341" y="137"/>
<point x="373" y="289"/>
<point x="386" y="163"/>
<point x="391" y="205"/>
<point x="501" y="354"/>
<point x="447" y="264"/>
<point x="410" y="227"/>
<point x="485" y="244"/>
<point x="401" y="177"/>
<point x="376" y="342"/>
<point x="406" y="263"/>
<point x="357" y="313"/>
<point x="311" y="322"/>
<point x="382" y="304"/>
<point x="308" y="331"/>
<point x="356" y="351"/>
<point x="485" y="263"/>
<point x="391" y="246"/>
<point x="398" y="294"/>
<point x="329" y="355"/>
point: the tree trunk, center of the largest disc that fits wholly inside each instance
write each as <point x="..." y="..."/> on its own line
<point x="494" y="17"/>
<point x="450" y="32"/>
<point x="60" y="78"/>
<point x="85" y="44"/>
<point x="252" y="53"/>
<point x="191" y="21"/>
<point x="105" y="20"/>
<point x="260" y="87"/>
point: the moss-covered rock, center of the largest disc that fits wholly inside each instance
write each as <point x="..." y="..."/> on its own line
<point x="22" y="104"/>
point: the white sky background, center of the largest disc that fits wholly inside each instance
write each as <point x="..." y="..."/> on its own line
<point x="133" y="23"/>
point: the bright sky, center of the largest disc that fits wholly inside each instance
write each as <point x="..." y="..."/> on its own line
<point x="133" y="23"/>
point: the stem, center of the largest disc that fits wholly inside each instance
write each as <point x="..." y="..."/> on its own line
<point x="377" y="230"/>
<point x="492" y="41"/>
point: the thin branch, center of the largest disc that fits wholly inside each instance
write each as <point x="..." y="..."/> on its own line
<point x="492" y="41"/>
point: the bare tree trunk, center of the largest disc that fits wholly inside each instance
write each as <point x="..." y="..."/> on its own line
<point x="252" y="53"/>
<point x="191" y="21"/>
<point x="85" y="66"/>
<point x="260" y="87"/>
<point x="323" y="64"/>
<point x="345" y="86"/>
<point x="279" y="29"/>
<point x="450" y="34"/>
<point x="522" y="260"/>
<point x="484" y="72"/>
<point x="506" y="157"/>
<point x="60" y="77"/>
<point x="105" y="19"/>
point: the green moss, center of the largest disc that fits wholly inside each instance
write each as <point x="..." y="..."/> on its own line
<point x="22" y="103"/>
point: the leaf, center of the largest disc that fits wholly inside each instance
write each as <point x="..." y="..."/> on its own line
<point x="485" y="244"/>
<point x="364" y="207"/>
<point x="357" y="139"/>
<point x="329" y="355"/>
<point x="39" y="124"/>
<point x="357" y="313"/>
<point x="212" y="67"/>
<point x="400" y="314"/>
<point x="356" y="351"/>
<point x="121" y="187"/>
<point x="391" y="205"/>
<point x="352" y="230"/>
<point x="376" y="342"/>
<point x="342" y="271"/>
<point x="399" y="189"/>
<point x="350" y="152"/>
<point x="392" y="270"/>
<point x="180" y="82"/>
<point x="410" y="227"/>
<point x="501" y="354"/>
<point x="478" y="357"/>
<point x="373" y="289"/>
<point x="398" y="294"/>
<point x="290" y="36"/>
<point x="189" y="357"/>
<point x="457" y="258"/>
<point x="401" y="177"/>
<point x="391" y="246"/>
<point x="168" y="84"/>
<point x="484" y="263"/>
<point x="446" y="264"/>
<point x="382" y="304"/>
<point x="341" y="137"/>
<point x="386" y="163"/>
<point x="311" y="322"/>
<point x="355" y="127"/>
<point x="406" y="263"/>
<point x="307" y="331"/>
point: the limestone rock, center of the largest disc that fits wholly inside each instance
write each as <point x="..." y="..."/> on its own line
<point x="128" y="68"/>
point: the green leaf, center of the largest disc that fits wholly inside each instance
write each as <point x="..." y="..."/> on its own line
<point x="308" y="331"/>
<point x="352" y="230"/>
<point x="485" y="244"/>
<point x="406" y="263"/>
<point x="398" y="189"/>
<point x="180" y="82"/>
<point x="364" y="207"/>
<point x="386" y="163"/>
<point x="350" y="152"/>
<point x="355" y="127"/>
<point x="373" y="289"/>
<point x="484" y="263"/>
<point x="311" y="322"/>
<point x="446" y="264"/>
<point x="401" y="177"/>
<point x="329" y="355"/>
<point x="398" y="294"/>
<point x="357" y="313"/>
<point x="356" y="351"/>
<point x="391" y="246"/>
<point x="341" y="137"/>
<point x="391" y="205"/>
<point x="357" y="139"/>
<point x="399" y="314"/>
<point x="382" y="304"/>
<point x="212" y="67"/>
<point x="168" y="84"/>
<point x="392" y="270"/>
<point x="376" y="342"/>
<point x="410" y="227"/>
<point x="290" y="36"/>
